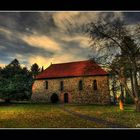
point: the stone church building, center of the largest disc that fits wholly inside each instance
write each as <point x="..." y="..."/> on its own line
<point x="82" y="82"/>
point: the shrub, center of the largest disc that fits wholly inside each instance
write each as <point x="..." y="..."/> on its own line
<point x="129" y="100"/>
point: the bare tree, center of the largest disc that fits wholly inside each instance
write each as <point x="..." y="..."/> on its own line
<point x="115" y="39"/>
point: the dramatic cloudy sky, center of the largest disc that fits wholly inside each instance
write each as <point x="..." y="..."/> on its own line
<point x="45" y="37"/>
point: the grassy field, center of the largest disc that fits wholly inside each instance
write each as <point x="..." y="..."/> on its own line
<point x="52" y="116"/>
<point x="40" y="116"/>
<point x="128" y="117"/>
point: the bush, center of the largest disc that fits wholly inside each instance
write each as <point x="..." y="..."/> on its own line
<point x="54" y="98"/>
<point x="129" y="100"/>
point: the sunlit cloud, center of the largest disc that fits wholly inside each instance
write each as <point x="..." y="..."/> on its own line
<point x="2" y="65"/>
<point x="5" y="31"/>
<point x="61" y="17"/>
<point x="83" y="41"/>
<point x="40" y="60"/>
<point x="42" y="41"/>
<point x="57" y="58"/>
<point x="62" y="57"/>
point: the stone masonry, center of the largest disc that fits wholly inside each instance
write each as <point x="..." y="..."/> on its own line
<point x="71" y="86"/>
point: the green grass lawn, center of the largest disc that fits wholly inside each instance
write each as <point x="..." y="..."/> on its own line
<point x="40" y="116"/>
<point x="129" y="117"/>
<point x="52" y="116"/>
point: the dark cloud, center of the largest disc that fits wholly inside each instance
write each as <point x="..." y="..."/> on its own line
<point x="20" y="21"/>
<point x="128" y="17"/>
<point x="132" y="17"/>
<point x="23" y="23"/>
<point x="36" y="21"/>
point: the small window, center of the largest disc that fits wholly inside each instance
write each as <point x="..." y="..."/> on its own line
<point x="46" y="84"/>
<point x="95" y="84"/>
<point x="80" y="85"/>
<point x="61" y="85"/>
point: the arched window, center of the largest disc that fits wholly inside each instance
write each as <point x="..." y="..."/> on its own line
<point x="80" y="85"/>
<point x="61" y="85"/>
<point x="95" y="84"/>
<point x="46" y="84"/>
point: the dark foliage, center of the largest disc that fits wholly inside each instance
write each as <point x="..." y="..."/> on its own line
<point x="35" y="69"/>
<point x="15" y="82"/>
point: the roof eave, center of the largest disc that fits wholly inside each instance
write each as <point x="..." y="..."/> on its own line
<point x="70" y="76"/>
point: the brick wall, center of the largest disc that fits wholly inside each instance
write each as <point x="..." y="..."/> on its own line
<point x="71" y="86"/>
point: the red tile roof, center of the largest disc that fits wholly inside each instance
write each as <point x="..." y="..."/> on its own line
<point x="72" y="69"/>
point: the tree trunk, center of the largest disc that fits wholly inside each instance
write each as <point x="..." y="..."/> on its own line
<point x="114" y="97"/>
<point x="137" y="105"/>
<point x="114" y="91"/>
<point x="122" y="93"/>
<point x="137" y="99"/>
<point x="124" y="84"/>
<point x="135" y="83"/>
<point x="132" y="83"/>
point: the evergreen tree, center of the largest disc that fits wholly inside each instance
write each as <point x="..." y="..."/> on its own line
<point x="35" y="69"/>
<point x="15" y="82"/>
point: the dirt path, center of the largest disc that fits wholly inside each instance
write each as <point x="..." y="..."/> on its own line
<point x="94" y="119"/>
